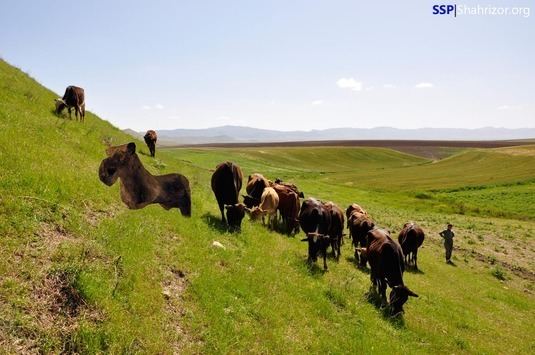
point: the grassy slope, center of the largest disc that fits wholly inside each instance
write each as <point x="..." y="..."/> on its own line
<point x="255" y="296"/>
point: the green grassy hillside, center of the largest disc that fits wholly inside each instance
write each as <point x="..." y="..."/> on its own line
<point x="81" y="273"/>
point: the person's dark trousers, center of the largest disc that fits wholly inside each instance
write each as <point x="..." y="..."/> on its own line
<point x="449" y="249"/>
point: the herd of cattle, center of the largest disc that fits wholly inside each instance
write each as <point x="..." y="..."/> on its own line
<point x="322" y="222"/>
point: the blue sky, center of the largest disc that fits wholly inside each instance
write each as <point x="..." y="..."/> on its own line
<point x="279" y="64"/>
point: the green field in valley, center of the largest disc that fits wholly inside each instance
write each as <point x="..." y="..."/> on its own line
<point x="82" y="273"/>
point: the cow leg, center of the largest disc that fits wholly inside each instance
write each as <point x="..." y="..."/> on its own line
<point x="415" y="255"/>
<point x="363" y="258"/>
<point x="222" y="210"/>
<point x="382" y="292"/>
<point x="325" y="259"/>
<point x="70" y="113"/>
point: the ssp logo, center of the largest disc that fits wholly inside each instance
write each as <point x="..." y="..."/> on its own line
<point x="445" y="10"/>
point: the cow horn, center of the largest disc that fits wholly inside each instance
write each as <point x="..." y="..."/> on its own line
<point x="314" y="234"/>
<point x="360" y="249"/>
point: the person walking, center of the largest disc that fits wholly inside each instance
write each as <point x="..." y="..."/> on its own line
<point x="447" y="235"/>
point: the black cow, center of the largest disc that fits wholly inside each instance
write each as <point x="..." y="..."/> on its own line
<point x="150" y="139"/>
<point x="336" y="230"/>
<point x="73" y="97"/>
<point x="226" y="184"/>
<point x="315" y="220"/>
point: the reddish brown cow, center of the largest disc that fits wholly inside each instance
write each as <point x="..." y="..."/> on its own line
<point x="411" y="238"/>
<point x="387" y="266"/>
<point x="150" y="139"/>
<point x="290" y="185"/>
<point x="289" y="205"/>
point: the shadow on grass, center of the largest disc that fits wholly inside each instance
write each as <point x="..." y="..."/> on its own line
<point x="413" y="270"/>
<point x="314" y="269"/>
<point x="396" y="320"/>
<point x="451" y="263"/>
<point x="214" y="223"/>
<point x="351" y="259"/>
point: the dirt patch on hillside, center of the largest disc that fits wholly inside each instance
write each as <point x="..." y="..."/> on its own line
<point x="94" y="216"/>
<point x="517" y="270"/>
<point x="173" y="289"/>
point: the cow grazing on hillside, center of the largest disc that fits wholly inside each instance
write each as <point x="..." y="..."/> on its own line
<point x="354" y="208"/>
<point x="140" y="188"/>
<point x="291" y="186"/>
<point x="226" y="185"/>
<point x="315" y="220"/>
<point x="359" y="225"/>
<point x="387" y="265"/>
<point x="269" y="202"/>
<point x="150" y="139"/>
<point x="289" y="205"/>
<point x="73" y="97"/>
<point x="336" y="230"/>
<point x="411" y="238"/>
<point x="255" y="187"/>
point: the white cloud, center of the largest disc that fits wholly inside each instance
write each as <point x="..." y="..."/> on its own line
<point x="389" y="86"/>
<point x="369" y="88"/>
<point x="349" y="83"/>
<point x="317" y="102"/>
<point x="145" y="107"/>
<point x="424" y="85"/>
<point x="159" y="106"/>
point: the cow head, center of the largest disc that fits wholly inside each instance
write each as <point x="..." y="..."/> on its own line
<point x="398" y="296"/>
<point x="250" y="201"/>
<point x="316" y="242"/>
<point x="60" y="105"/>
<point x="119" y="158"/>
<point x="255" y="213"/>
<point x="235" y="214"/>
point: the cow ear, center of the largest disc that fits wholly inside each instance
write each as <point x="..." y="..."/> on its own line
<point x="410" y="293"/>
<point x="131" y="148"/>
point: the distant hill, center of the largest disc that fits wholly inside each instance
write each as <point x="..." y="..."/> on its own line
<point x="237" y="134"/>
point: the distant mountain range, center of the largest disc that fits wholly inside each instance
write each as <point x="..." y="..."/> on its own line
<point x="240" y="134"/>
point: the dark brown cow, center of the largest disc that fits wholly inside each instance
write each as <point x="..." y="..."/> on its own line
<point x="150" y="139"/>
<point x="411" y="238"/>
<point x="255" y="186"/>
<point x="315" y="221"/>
<point x="290" y="185"/>
<point x="359" y="225"/>
<point x="288" y="208"/>
<point x="140" y="188"/>
<point x="73" y="97"/>
<point x="354" y="208"/>
<point x="336" y="231"/>
<point x="387" y="266"/>
<point x="226" y="185"/>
